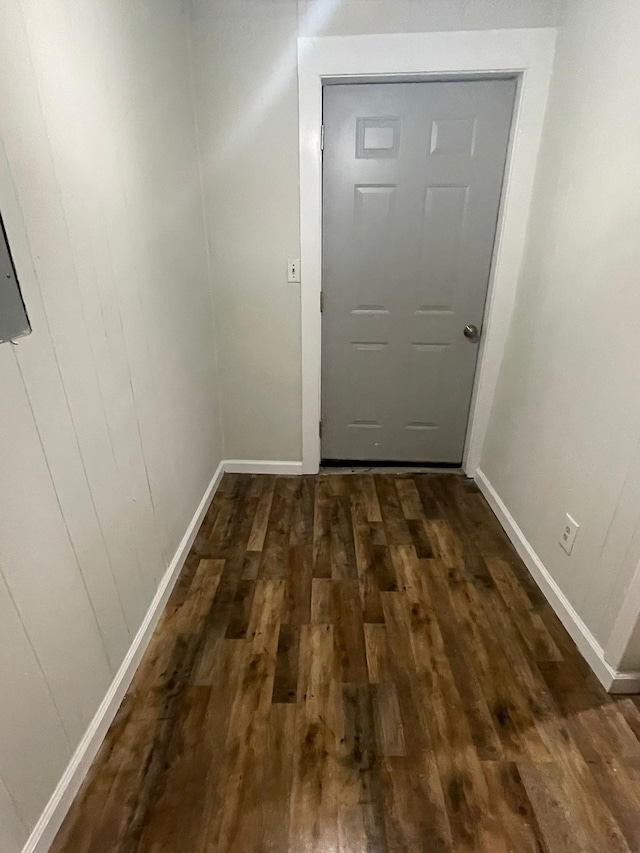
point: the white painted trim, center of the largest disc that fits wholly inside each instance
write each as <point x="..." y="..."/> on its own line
<point x="625" y="682"/>
<point x="529" y="53"/>
<point x="261" y="466"/>
<point x="626" y="620"/>
<point x="51" y="818"/>
<point x="612" y="680"/>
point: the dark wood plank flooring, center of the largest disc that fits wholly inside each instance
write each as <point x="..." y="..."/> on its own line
<point x="360" y="663"/>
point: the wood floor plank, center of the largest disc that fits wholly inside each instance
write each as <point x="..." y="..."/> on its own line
<point x="415" y="810"/>
<point x="394" y="522"/>
<point x="278" y="777"/>
<point x="375" y="641"/>
<point x="110" y="789"/>
<point x="420" y="537"/>
<point x="463" y="782"/>
<point x="238" y="825"/>
<point x="539" y="642"/>
<point x="299" y="585"/>
<point x="224" y="676"/>
<point x="314" y="794"/>
<point x="261" y="518"/>
<point x="321" y="607"/>
<point x="409" y="825"/>
<point x="510" y="710"/>
<point x="382" y="567"/>
<point x="389" y="728"/>
<point x="240" y="611"/>
<point x="366" y="491"/>
<point x="251" y="565"/>
<point x="343" y="554"/>
<point x="302" y="522"/>
<point x="274" y="562"/>
<point x="367" y="564"/>
<point x="350" y="654"/>
<point x="378" y="535"/>
<point x="233" y="544"/>
<point x="168" y="826"/>
<point x="622" y="797"/>
<point x="589" y="809"/>
<point x="361" y="824"/>
<point x="515" y="813"/>
<point x="628" y="708"/>
<point x="187" y="613"/>
<point x="360" y="663"/>
<point x="463" y="661"/>
<point x="551" y="802"/>
<point x="410" y="501"/>
<point x="322" y="530"/>
<point x="285" y="686"/>
<point x="430" y="505"/>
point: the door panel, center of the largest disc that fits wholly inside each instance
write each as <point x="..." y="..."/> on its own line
<point x="411" y="190"/>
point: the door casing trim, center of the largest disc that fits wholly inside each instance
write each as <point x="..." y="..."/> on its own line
<point x="527" y="53"/>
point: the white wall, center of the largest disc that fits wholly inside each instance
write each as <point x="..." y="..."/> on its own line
<point x="244" y="56"/>
<point x="352" y="17"/>
<point x="108" y="411"/>
<point x="565" y="430"/>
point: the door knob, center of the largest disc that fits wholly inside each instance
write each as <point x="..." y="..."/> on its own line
<point x="471" y="332"/>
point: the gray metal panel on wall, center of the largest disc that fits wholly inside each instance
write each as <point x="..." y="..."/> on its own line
<point x="412" y="182"/>
<point x="13" y="316"/>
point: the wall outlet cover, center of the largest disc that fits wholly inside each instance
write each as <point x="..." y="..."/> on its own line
<point x="569" y="533"/>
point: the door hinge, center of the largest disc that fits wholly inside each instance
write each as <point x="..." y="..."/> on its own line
<point x="320" y="428"/>
<point x="322" y="137"/>
<point x="321" y="301"/>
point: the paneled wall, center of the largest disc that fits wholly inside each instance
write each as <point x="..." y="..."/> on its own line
<point x="108" y="411"/>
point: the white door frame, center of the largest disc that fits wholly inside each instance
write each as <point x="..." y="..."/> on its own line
<point x="529" y="54"/>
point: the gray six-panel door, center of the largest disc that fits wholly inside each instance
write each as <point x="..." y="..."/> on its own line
<point x="412" y="177"/>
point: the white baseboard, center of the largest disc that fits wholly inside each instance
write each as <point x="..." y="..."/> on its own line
<point x="51" y="818"/>
<point x="612" y="680"/>
<point x="625" y="682"/>
<point x="261" y="466"/>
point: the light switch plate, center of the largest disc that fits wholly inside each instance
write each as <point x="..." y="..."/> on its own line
<point x="293" y="270"/>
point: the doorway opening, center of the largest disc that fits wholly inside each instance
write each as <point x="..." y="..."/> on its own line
<point x="526" y="54"/>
